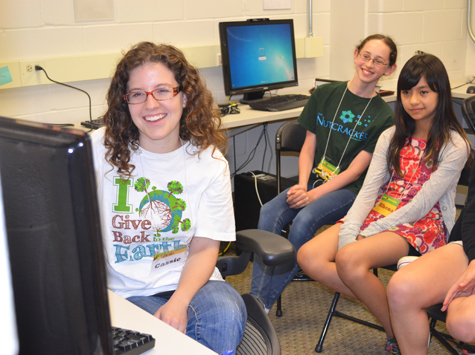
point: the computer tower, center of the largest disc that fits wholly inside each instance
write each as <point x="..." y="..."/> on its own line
<point x="246" y="202"/>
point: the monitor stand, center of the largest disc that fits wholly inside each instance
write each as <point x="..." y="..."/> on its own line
<point x="252" y="96"/>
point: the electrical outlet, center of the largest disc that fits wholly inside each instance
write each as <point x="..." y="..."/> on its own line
<point x="470" y="78"/>
<point x="30" y="76"/>
<point x="220" y="61"/>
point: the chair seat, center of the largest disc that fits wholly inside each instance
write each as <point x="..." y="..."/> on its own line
<point x="435" y="312"/>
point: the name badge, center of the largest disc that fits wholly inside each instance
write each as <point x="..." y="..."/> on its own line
<point x="326" y="170"/>
<point x="168" y="259"/>
<point x="387" y="205"/>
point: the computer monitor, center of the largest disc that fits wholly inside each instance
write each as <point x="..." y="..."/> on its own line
<point x="7" y="306"/>
<point x="257" y="55"/>
<point x="54" y="239"/>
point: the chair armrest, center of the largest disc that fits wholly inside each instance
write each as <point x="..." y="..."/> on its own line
<point x="273" y="249"/>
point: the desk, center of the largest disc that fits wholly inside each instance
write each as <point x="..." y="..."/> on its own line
<point x="168" y="340"/>
<point x="248" y="116"/>
<point x="461" y="92"/>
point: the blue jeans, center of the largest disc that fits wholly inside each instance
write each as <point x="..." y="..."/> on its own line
<point x="216" y="315"/>
<point x="269" y="282"/>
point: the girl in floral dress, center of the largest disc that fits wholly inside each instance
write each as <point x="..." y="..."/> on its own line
<point x="448" y="272"/>
<point x="406" y="205"/>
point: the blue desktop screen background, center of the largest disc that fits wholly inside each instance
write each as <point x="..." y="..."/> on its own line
<point x="260" y="54"/>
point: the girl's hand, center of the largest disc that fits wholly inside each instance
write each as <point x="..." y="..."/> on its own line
<point x="464" y="286"/>
<point x="298" y="197"/>
<point x="175" y="314"/>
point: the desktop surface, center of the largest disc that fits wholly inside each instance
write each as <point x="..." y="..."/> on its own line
<point x="249" y="117"/>
<point x="168" y="340"/>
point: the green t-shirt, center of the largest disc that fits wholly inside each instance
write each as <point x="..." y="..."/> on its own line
<point x="317" y="117"/>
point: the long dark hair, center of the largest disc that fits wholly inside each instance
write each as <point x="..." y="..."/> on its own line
<point x="199" y="123"/>
<point x="432" y="69"/>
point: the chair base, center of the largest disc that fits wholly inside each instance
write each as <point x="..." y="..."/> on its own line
<point x="435" y="314"/>
<point x="443" y="338"/>
<point x="300" y="276"/>
<point x="334" y="313"/>
<point x="278" y="312"/>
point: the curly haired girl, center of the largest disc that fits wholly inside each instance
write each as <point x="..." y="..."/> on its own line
<point x="165" y="196"/>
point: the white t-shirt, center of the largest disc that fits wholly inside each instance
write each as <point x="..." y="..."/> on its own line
<point x="169" y="199"/>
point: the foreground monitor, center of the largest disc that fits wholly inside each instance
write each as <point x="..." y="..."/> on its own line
<point x="257" y="55"/>
<point x="54" y="239"/>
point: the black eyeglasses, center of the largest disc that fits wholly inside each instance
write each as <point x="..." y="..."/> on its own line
<point x="160" y="94"/>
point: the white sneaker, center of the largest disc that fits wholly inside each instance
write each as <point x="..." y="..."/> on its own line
<point x="405" y="260"/>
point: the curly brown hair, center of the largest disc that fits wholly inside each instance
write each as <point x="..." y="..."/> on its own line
<point x="199" y="123"/>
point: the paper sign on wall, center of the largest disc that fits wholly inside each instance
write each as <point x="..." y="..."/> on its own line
<point x="5" y="76"/>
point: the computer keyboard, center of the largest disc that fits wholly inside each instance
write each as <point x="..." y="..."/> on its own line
<point x="94" y="124"/>
<point x="280" y="103"/>
<point x="129" y="342"/>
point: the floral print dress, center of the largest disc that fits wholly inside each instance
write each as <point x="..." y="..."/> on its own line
<point x="429" y="232"/>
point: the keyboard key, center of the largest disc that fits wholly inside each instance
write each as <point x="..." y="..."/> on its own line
<point x="131" y="342"/>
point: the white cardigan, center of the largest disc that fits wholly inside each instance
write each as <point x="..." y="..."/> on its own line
<point x="439" y="188"/>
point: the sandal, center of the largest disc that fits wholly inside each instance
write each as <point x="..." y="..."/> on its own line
<point x="468" y="349"/>
<point x="391" y="346"/>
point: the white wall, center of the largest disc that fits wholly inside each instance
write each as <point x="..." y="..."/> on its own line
<point x="34" y="29"/>
<point x="433" y="26"/>
<point x="470" y="64"/>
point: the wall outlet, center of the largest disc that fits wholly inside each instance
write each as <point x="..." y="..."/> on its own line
<point x="219" y="60"/>
<point x="30" y="76"/>
<point x="470" y="78"/>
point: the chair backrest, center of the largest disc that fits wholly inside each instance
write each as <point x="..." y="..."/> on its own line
<point x="464" y="179"/>
<point x="468" y="112"/>
<point x="289" y="138"/>
<point x="259" y="337"/>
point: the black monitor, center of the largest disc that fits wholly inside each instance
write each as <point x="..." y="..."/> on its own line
<point x="257" y="55"/>
<point x="54" y="239"/>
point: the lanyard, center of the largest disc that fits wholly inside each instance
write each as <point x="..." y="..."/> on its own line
<point x="351" y="135"/>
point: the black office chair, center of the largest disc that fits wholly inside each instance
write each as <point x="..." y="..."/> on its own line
<point x="334" y="313"/>
<point x="289" y="138"/>
<point x="468" y="112"/>
<point x="259" y="337"/>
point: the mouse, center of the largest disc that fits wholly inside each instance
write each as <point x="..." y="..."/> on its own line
<point x="471" y="90"/>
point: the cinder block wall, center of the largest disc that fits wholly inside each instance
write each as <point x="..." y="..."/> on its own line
<point x="35" y="29"/>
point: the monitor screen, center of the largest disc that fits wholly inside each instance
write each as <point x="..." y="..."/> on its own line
<point x="257" y="55"/>
<point x="54" y="239"/>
